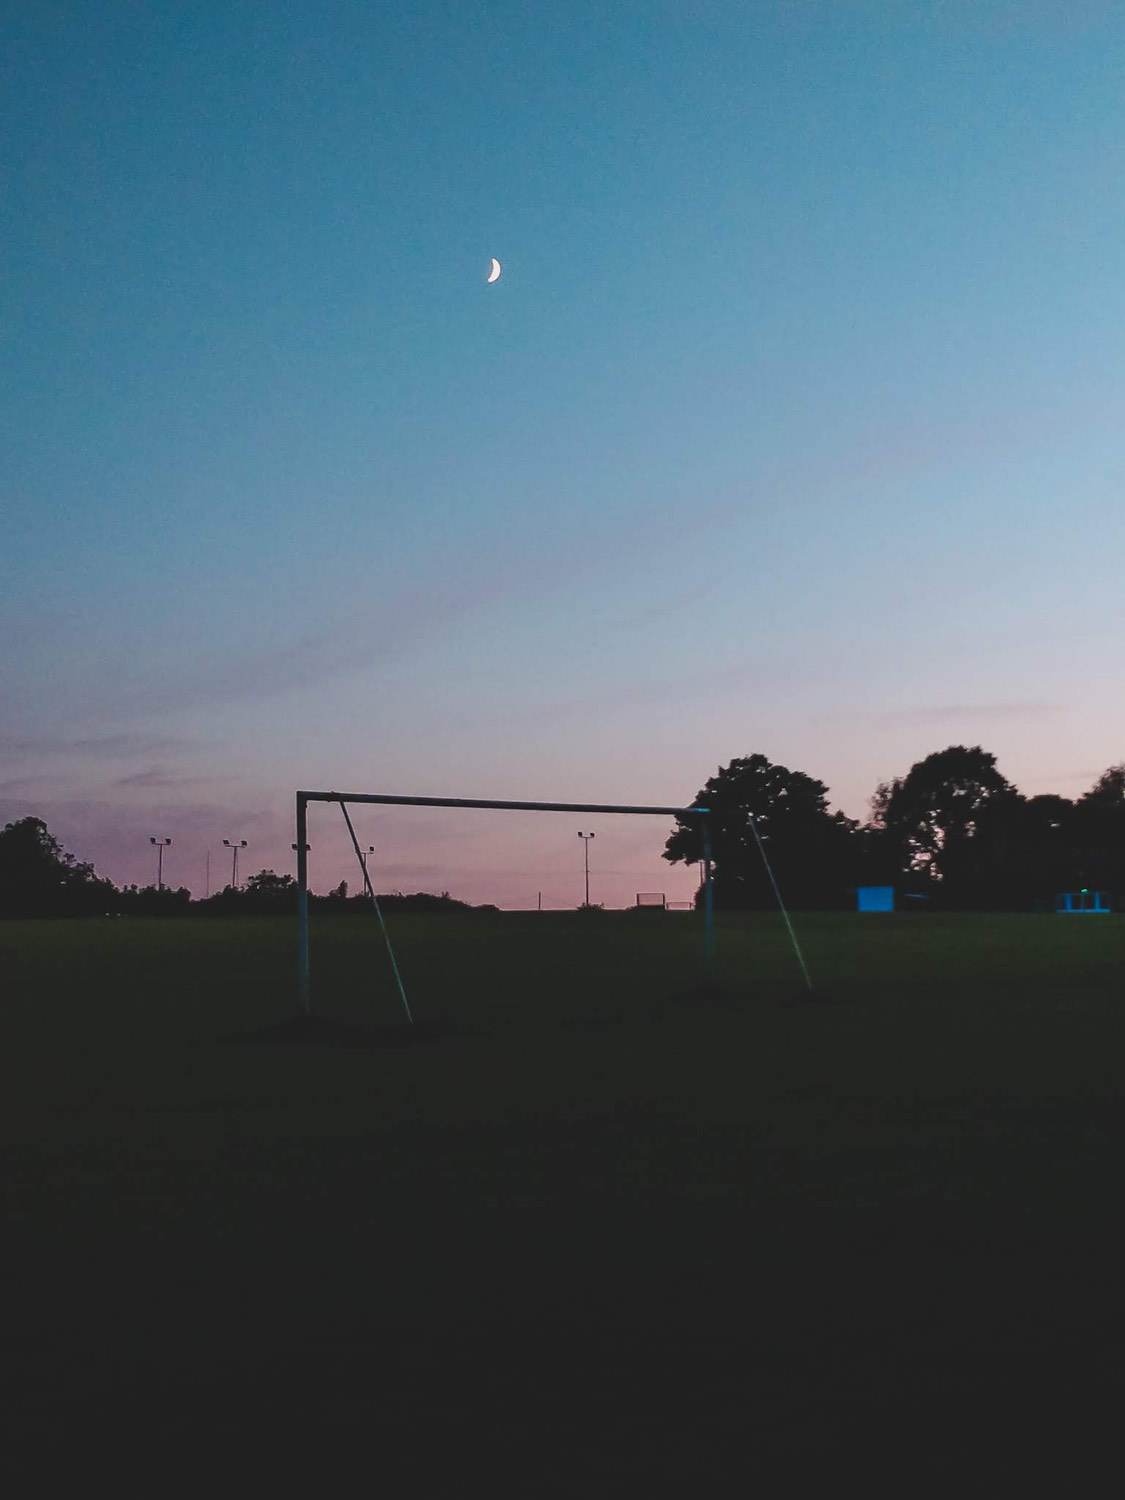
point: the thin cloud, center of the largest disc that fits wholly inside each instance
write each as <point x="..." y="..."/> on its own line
<point x="1088" y="777"/>
<point x="663" y="609"/>
<point x="974" y="712"/>
<point x="746" y="677"/>
<point x="17" y="783"/>
<point x="104" y="746"/>
<point x="361" y="640"/>
<point x="410" y="871"/>
<point x="374" y="636"/>
<point x="158" y="777"/>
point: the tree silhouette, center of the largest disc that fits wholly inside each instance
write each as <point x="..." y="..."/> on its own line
<point x="264" y="894"/>
<point x="38" y="878"/>
<point x="268" y="883"/>
<point x="809" y="848"/>
<point x="1108" y="790"/>
<point x="1099" y="820"/>
<point x="949" y="820"/>
<point x="1043" y="855"/>
<point x="152" y="901"/>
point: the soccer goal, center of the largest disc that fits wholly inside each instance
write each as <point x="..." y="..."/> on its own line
<point x="651" y="900"/>
<point x="344" y="799"/>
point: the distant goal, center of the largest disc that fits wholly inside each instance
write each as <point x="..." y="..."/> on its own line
<point x="651" y="901"/>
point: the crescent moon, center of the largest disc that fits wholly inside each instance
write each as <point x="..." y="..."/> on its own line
<point x="494" y="271"/>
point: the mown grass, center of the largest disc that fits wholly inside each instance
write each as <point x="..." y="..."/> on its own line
<point x="602" y="1230"/>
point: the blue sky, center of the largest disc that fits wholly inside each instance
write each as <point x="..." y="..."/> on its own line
<point x="793" y="425"/>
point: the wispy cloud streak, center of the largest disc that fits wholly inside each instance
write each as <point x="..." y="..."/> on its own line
<point x="101" y="746"/>
<point x="991" y="713"/>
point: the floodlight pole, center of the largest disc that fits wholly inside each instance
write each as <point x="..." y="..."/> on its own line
<point x="234" y="845"/>
<point x="586" y="837"/>
<point x="161" y="845"/>
<point x="303" y="902"/>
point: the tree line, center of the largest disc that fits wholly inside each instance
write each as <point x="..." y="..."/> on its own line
<point x="38" y="878"/>
<point x="952" y="832"/>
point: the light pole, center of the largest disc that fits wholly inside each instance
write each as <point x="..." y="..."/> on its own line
<point x="234" y="845"/>
<point x="161" y="845"/>
<point x="586" y="837"/>
<point x="363" y="861"/>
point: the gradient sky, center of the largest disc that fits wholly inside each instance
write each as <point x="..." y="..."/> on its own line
<point x="794" y="425"/>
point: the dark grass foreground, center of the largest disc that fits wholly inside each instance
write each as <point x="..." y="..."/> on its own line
<point x="604" y="1233"/>
<point x="329" y="1031"/>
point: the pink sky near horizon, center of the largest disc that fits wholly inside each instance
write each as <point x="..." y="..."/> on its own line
<point x="501" y="857"/>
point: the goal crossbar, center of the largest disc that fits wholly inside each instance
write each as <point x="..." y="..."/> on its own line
<point x="384" y="799"/>
<point x="571" y="807"/>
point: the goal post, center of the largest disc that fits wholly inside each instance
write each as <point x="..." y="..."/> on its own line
<point x="304" y="985"/>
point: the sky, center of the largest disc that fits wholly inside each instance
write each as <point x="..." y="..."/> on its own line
<point x="793" y="425"/>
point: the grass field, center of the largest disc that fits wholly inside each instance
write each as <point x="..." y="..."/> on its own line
<point x="597" y="1231"/>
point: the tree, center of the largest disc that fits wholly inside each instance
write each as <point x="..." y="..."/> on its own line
<point x="264" y="893"/>
<point x="950" y="819"/>
<point x="1033" y="851"/>
<point x="1100" y="833"/>
<point x="153" y="901"/>
<point x="268" y="883"/>
<point x="1108" y="790"/>
<point x="809" y="848"/>
<point x="1048" y="859"/>
<point x="38" y="878"/>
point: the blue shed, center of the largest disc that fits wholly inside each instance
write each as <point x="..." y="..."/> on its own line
<point x="875" y="898"/>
